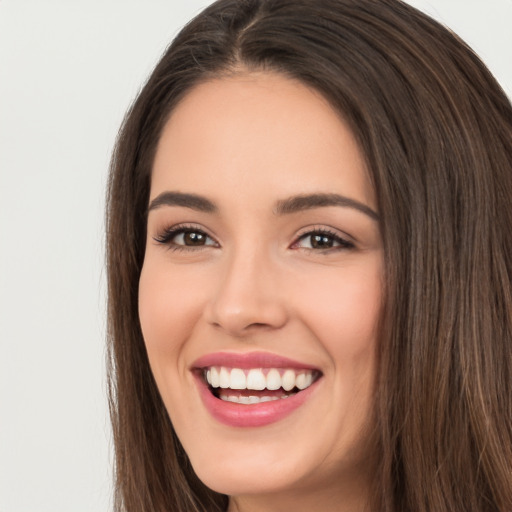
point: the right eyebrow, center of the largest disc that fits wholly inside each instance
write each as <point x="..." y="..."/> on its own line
<point x="310" y="201"/>
<point x="192" y="201"/>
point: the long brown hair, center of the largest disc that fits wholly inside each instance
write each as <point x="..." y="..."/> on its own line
<point x="436" y="130"/>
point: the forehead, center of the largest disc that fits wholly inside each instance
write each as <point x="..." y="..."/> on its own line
<point x="259" y="132"/>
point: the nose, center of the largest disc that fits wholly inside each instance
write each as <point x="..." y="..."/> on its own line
<point x="248" y="297"/>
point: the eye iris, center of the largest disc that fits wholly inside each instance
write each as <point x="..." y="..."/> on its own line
<point x="194" y="238"/>
<point x="321" y="241"/>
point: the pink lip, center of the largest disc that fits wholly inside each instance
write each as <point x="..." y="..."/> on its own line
<point x="249" y="360"/>
<point x="253" y="415"/>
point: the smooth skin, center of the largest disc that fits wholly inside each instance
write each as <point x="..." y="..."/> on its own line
<point x="243" y="275"/>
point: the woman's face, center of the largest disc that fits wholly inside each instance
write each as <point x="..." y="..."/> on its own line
<point x="262" y="276"/>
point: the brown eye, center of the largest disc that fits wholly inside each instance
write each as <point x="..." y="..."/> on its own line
<point x="194" y="238"/>
<point x="185" y="238"/>
<point x="322" y="240"/>
<point x="190" y="238"/>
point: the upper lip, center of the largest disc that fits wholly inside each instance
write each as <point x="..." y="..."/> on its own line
<point x="249" y="360"/>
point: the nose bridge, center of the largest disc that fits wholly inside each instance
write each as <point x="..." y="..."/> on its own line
<point x="247" y="296"/>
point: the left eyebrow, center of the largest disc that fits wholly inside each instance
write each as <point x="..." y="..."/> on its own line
<point x="307" y="202"/>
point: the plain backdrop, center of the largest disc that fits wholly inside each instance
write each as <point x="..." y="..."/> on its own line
<point x="68" y="71"/>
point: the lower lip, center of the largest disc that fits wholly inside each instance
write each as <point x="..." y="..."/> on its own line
<point x="251" y="415"/>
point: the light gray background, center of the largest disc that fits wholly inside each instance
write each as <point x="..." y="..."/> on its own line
<point x="68" y="71"/>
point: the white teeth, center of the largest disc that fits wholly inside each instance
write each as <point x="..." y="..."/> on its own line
<point x="255" y="378"/>
<point x="303" y="380"/>
<point x="247" y="400"/>
<point x="238" y="380"/>
<point x="214" y="376"/>
<point x="273" y="379"/>
<point x="224" y="380"/>
<point x="288" y="380"/>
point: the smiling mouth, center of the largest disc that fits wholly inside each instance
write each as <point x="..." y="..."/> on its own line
<point x="257" y="385"/>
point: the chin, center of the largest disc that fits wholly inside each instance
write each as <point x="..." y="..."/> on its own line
<point x="256" y="476"/>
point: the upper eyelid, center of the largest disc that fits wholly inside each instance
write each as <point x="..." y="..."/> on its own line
<point x="303" y="232"/>
<point x="319" y="228"/>
<point x="176" y="229"/>
<point x="345" y="241"/>
<point x="185" y="226"/>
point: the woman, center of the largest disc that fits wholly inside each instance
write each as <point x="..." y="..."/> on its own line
<point x="309" y="267"/>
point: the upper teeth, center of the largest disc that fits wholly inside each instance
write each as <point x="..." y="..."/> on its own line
<point x="258" y="378"/>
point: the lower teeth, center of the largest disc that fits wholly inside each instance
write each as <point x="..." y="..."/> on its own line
<point x="251" y="399"/>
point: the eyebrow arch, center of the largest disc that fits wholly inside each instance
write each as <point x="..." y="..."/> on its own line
<point x="307" y="202"/>
<point x="283" y="207"/>
<point x="192" y="201"/>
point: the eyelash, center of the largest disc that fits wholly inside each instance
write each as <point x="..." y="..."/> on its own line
<point x="168" y="234"/>
<point x="166" y="238"/>
<point x="327" y="233"/>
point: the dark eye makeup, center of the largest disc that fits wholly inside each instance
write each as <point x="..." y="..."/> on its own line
<point x="190" y="237"/>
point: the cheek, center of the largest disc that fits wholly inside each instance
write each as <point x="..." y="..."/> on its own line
<point x="169" y="307"/>
<point x="342" y="308"/>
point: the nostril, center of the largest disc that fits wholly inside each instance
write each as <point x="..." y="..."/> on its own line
<point x="243" y="322"/>
<point x="257" y="325"/>
<point x="243" y="330"/>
